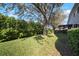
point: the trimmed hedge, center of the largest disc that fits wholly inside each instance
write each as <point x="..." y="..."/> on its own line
<point x="73" y="40"/>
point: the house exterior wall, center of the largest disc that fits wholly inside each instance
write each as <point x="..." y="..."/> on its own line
<point x="74" y="19"/>
<point x="74" y="15"/>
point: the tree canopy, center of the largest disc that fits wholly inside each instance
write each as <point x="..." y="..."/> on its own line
<point x="43" y="12"/>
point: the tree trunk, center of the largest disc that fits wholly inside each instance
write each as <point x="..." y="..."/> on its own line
<point x="53" y="28"/>
<point x="45" y="25"/>
<point x="45" y="29"/>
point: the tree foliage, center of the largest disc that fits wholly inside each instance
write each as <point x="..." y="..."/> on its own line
<point x="43" y="12"/>
<point x="58" y="18"/>
<point x="11" y="28"/>
<point x="73" y="40"/>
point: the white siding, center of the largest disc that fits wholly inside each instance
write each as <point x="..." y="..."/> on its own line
<point x="74" y="19"/>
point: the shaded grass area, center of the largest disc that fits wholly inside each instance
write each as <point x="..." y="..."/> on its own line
<point x="62" y="43"/>
<point x="39" y="45"/>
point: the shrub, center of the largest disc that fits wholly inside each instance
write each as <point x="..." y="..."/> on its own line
<point x="49" y="31"/>
<point x="21" y="35"/>
<point x="73" y="40"/>
<point x="0" y="36"/>
<point x="9" y="34"/>
<point x="38" y="28"/>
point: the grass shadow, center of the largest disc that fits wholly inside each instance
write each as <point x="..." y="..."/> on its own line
<point x="39" y="38"/>
<point x="62" y="43"/>
<point x="4" y="40"/>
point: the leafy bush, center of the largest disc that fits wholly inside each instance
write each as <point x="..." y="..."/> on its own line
<point x="21" y="35"/>
<point x="9" y="34"/>
<point x="11" y="28"/>
<point x="0" y="36"/>
<point x="73" y="40"/>
<point x="49" y="31"/>
<point x="38" y="28"/>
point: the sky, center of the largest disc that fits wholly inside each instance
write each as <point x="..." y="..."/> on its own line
<point x="67" y="7"/>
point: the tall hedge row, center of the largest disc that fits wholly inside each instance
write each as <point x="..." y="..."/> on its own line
<point x="73" y="40"/>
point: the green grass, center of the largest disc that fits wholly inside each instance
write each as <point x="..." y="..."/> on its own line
<point x="31" y="46"/>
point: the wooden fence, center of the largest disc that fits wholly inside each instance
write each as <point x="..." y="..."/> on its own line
<point x="68" y="26"/>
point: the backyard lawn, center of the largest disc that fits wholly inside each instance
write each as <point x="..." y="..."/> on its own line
<point x="36" y="45"/>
